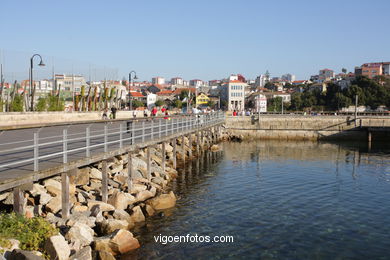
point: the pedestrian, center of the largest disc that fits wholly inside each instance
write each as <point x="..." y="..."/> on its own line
<point x="154" y="111"/>
<point x="166" y="114"/>
<point x="146" y="113"/>
<point x="234" y="113"/>
<point x="104" y="116"/>
<point x="113" y="112"/>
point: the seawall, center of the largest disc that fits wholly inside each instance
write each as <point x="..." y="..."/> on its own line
<point x="292" y="127"/>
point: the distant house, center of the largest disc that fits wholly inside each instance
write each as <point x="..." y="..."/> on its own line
<point x="137" y="96"/>
<point x="202" y="99"/>
<point x="165" y="95"/>
<point x="299" y="82"/>
<point x="286" y="97"/>
<point x="318" y="86"/>
<point x="154" y="89"/>
<point x="258" y="101"/>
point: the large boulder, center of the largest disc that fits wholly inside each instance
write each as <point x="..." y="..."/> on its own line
<point x="81" y="217"/>
<point x="144" y="195"/>
<point x="110" y="225"/>
<point x="95" y="174"/>
<point x="83" y="254"/>
<point x="138" y="163"/>
<point x="122" y="215"/>
<point x="82" y="176"/>
<point x="54" y="205"/>
<point x="119" y="242"/>
<point x="164" y="201"/>
<point x="57" y="248"/>
<point x="123" y="241"/>
<point x="37" y="189"/>
<point x="119" y="200"/>
<point x="104" y="255"/>
<point x="137" y="215"/>
<point x="103" y="206"/>
<point x="18" y="254"/>
<point x="80" y="234"/>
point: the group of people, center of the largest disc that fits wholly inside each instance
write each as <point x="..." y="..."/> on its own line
<point x="112" y="115"/>
<point x="153" y="113"/>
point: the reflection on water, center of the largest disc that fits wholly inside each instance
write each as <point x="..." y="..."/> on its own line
<point x="279" y="200"/>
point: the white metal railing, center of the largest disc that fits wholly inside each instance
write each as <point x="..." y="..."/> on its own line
<point x="129" y="131"/>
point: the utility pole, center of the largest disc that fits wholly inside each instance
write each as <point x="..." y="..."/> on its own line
<point x="356" y="104"/>
<point x="282" y="106"/>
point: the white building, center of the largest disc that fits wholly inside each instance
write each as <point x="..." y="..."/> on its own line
<point x="71" y="83"/>
<point x="177" y="81"/>
<point x="196" y="83"/>
<point x="45" y="86"/>
<point x="233" y="93"/>
<point x="288" y="77"/>
<point x="261" y="103"/>
<point x="260" y="81"/>
<point x="151" y="100"/>
<point x="158" y="80"/>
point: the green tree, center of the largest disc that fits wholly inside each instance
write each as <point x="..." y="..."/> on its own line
<point x="296" y="101"/>
<point x="274" y="104"/>
<point x="41" y="105"/>
<point x="137" y="103"/>
<point x="17" y="104"/>
<point x="160" y="103"/>
<point x="177" y="103"/>
<point x="211" y="103"/>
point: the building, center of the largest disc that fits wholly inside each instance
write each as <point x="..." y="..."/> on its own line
<point x="288" y="77"/>
<point x="69" y="83"/>
<point x="233" y="93"/>
<point x="325" y="75"/>
<point x="196" y="83"/>
<point x="158" y="80"/>
<point x="319" y="87"/>
<point x="258" y="102"/>
<point x="202" y="99"/>
<point x="373" y="69"/>
<point x="286" y="97"/>
<point x="177" y="81"/>
<point x="260" y="81"/>
<point x="151" y="100"/>
<point x="137" y="96"/>
<point x="165" y="95"/>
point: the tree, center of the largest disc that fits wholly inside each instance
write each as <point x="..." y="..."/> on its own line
<point x="296" y="101"/>
<point x="211" y="103"/>
<point x="160" y="103"/>
<point x="177" y="103"/>
<point x="137" y="104"/>
<point x="274" y="104"/>
<point x="344" y="70"/>
<point x="41" y="105"/>
<point x="17" y="104"/>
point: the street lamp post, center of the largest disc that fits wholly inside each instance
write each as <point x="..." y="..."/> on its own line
<point x="32" y="88"/>
<point x="135" y="77"/>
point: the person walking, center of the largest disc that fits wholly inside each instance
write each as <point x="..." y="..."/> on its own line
<point x="105" y="116"/>
<point x="154" y="111"/>
<point x="113" y="112"/>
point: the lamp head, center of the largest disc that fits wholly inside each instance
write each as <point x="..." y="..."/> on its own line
<point x="135" y="77"/>
<point x="41" y="64"/>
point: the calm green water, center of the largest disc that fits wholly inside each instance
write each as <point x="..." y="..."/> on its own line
<point x="279" y="200"/>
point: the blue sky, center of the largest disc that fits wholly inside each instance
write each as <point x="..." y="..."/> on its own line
<point x="194" y="39"/>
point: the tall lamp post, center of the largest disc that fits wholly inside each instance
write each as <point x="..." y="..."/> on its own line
<point x="32" y="88"/>
<point x="135" y="77"/>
